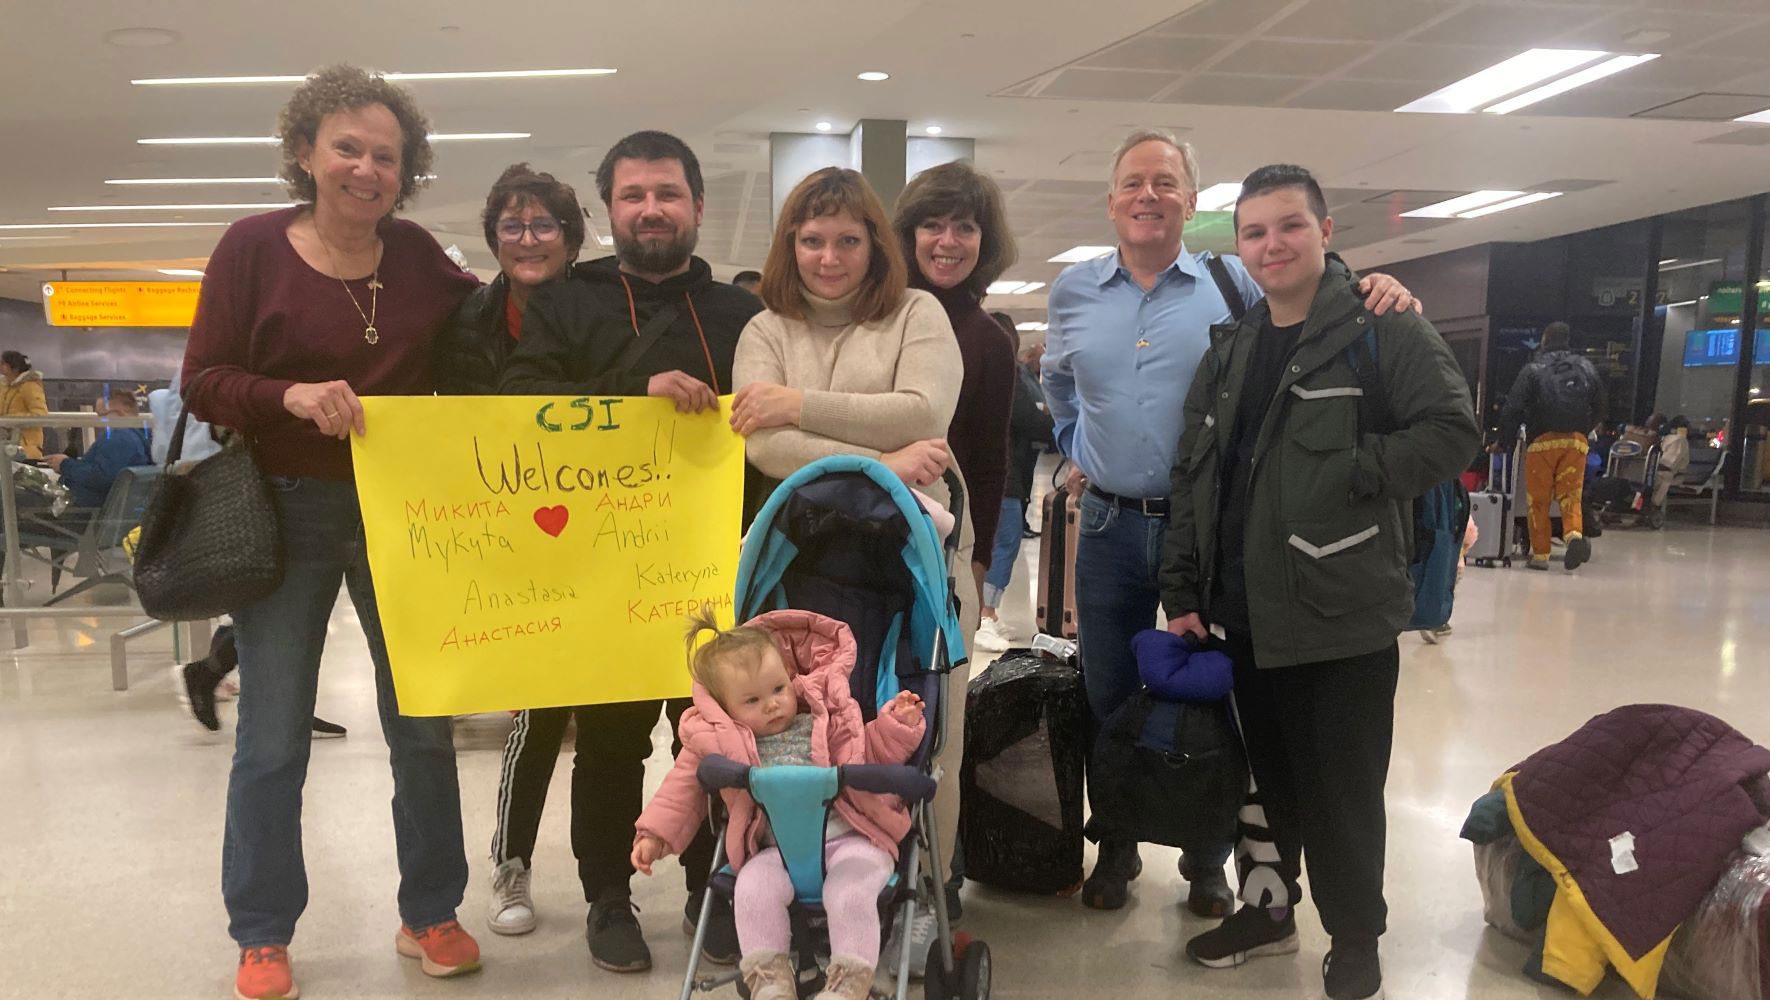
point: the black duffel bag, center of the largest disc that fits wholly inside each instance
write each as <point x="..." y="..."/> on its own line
<point x="210" y="542"/>
<point x="1167" y="772"/>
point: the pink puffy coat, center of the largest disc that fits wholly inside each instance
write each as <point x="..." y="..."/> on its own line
<point x="819" y="653"/>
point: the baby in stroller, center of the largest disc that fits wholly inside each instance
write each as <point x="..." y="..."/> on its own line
<point x="776" y="692"/>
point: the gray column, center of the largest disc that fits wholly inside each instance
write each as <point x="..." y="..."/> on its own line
<point x="878" y="148"/>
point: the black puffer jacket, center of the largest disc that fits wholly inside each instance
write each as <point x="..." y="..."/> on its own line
<point x="573" y="331"/>
<point x="471" y="352"/>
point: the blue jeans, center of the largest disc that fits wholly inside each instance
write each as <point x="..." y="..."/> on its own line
<point x="1003" y="553"/>
<point x="1118" y="558"/>
<point x="263" y="877"/>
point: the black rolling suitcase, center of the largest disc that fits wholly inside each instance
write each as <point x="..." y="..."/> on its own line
<point x="1026" y="733"/>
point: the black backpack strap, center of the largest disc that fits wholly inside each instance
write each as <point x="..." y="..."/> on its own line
<point x="644" y="338"/>
<point x="1238" y="306"/>
<point x="1374" y="416"/>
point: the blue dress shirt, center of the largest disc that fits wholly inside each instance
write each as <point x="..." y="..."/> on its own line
<point x="1119" y="361"/>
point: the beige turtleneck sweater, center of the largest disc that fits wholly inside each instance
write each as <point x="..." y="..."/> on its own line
<point x="870" y="388"/>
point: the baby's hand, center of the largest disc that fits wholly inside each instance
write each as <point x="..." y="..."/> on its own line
<point x="906" y="707"/>
<point x="646" y="850"/>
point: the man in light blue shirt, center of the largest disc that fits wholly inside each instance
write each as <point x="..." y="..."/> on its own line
<point x="1126" y="334"/>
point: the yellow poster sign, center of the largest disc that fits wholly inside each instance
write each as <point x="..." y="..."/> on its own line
<point x="120" y="303"/>
<point x="531" y="552"/>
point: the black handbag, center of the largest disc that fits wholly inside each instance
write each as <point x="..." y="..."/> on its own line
<point x="1167" y="772"/>
<point x="210" y="543"/>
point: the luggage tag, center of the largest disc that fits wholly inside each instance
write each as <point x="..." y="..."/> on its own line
<point x="1622" y="853"/>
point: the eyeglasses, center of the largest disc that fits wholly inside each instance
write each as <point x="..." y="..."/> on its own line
<point x="543" y="229"/>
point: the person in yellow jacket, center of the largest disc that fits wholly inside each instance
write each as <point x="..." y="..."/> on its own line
<point x="21" y="395"/>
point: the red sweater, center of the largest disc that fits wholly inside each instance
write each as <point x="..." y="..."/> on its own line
<point x="266" y="320"/>
<point x="979" y="432"/>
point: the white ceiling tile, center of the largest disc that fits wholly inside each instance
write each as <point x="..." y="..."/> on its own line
<point x="1708" y="107"/>
<point x="1603" y="102"/>
<point x="1516" y="27"/>
<point x="1161" y="52"/>
<point x="1107" y="85"/>
<point x="1360" y="20"/>
<point x="1293" y="58"/>
<point x="1694" y="72"/>
<point x="1428" y="64"/>
<point x="1222" y="17"/>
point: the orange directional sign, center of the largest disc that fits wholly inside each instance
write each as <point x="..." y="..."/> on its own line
<point x="120" y="303"/>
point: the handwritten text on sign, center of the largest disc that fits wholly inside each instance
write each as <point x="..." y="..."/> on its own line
<point x="531" y="552"/>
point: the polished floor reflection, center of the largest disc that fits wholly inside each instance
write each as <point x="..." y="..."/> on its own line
<point x="111" y="824"/>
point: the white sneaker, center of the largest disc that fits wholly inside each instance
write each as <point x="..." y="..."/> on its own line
<point x="992" y="636"/>
<point x="513" y="909"/>
<point x="922" y="932"/>
<point x="1432" y="635"/>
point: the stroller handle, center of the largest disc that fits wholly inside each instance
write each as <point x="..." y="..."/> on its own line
<point x="718" y="771"/>
<point x="904" y="782"/>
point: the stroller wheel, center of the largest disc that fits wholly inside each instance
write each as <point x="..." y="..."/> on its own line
<point x="974" y="972"/>
<point x="935" y="982"/>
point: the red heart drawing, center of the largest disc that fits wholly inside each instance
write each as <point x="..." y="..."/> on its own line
<point x="552" y="519"/>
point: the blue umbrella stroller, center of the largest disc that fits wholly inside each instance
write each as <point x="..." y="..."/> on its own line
<point x="845" y="538"/>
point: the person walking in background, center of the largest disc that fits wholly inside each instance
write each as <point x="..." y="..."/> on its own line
<point x="21" y="395"/>
<point x="1029" y="432"/>
<point x="1558" y="398"/>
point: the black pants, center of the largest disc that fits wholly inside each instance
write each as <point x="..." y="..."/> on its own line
<point x="1318" y="738"/>
<point x="608" y="778"/>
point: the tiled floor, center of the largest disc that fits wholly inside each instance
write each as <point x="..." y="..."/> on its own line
<point x="111" y="805"/>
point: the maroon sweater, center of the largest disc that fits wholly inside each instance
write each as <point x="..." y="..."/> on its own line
<point x="266" y="320"/>
<point x="979" y="432"/>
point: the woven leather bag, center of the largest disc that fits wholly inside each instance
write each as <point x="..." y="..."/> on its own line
<point x="210" y="543"/>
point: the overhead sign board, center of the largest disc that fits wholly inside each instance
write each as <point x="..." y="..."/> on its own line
<point x="120" y="303"/>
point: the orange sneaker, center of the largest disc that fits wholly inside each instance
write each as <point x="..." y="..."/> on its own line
<point x="264" y="975"/>
<point x="444" y="950"/>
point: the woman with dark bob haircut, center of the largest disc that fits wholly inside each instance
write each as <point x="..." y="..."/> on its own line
<point x="954" y="232"/>
<point x="301" y="311"/>
<point x="534" y="226"/>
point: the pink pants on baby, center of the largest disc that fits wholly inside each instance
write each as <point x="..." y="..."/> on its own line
<point x="855" y="874"/>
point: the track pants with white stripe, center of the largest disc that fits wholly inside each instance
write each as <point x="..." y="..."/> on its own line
<point x="608" y="779"/>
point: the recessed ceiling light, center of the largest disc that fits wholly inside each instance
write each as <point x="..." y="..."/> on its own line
<point x="933" y="130"/>
<point x="1081" y="253"/>
<point x="210" y="207"/>
<point x="1029" y="325"/>
<point x="1014" y="287"/>
<point x="180" y="272"/>
<point x="141" y="38"/>
<point x="1590" y="74"/>
<point x="1503" y="79"/>
<point x="1529" y="199"/>
<point x="1694" y="263"/>
<point x="271" y="140"/>
<point x="824" y="126"/>
<point x="111" y="225"/>
<point x="1759" y="118"/>
<point x="1219" y="197"/>
<point x="514" y="74"/>
<point x="195" y="180"/>
<point x="873" y="76"/>
<point x="1668" y="260"/>
<point x="1451" y="208"/>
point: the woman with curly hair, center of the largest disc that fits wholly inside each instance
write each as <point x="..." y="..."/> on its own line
<point x="301" y="311"/>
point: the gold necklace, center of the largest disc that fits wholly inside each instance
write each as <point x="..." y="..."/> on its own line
<point x="370" y="334"/>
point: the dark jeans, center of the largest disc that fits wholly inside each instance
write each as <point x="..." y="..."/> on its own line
<point x="1118" y="557"/>
<point x="608" y="778"/>
<point x="263" y="876"/>
<point x="1319" y="737"/>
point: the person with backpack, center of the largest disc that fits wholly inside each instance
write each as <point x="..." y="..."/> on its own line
<point x="1558" y="398"/>
<point x="1290" y="529"/>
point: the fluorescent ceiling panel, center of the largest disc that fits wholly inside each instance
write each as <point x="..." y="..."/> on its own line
<point x="1454" y="207"/>
<point x="1502" y="79"/>
<point x="1591" y="74"/>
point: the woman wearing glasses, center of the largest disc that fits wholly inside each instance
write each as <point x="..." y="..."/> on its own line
<point x="534" y="225"/>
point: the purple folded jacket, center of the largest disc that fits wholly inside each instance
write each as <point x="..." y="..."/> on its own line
<point x="1176" y="669"/>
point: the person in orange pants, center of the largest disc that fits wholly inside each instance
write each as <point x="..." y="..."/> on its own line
<point x="1555" y="471"/>
<point x="1557" y="399"/>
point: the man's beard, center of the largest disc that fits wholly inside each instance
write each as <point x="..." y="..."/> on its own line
<point x="654" y="255"/>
